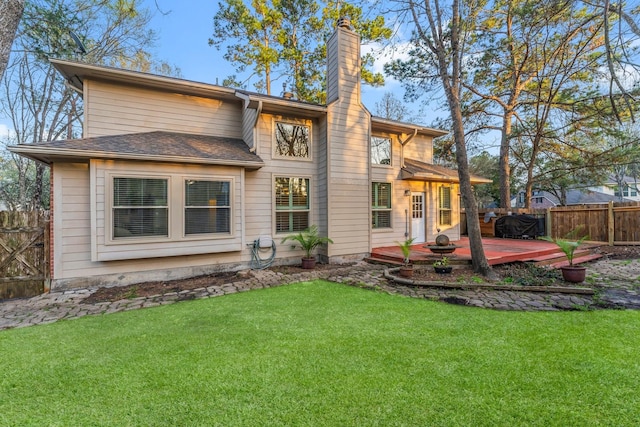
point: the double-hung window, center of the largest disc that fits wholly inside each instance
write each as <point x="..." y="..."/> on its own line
<point x="444" y="205"/>
<point x="292" y="204"/>
<point x="380" y="205"/>
<point x="207" y="207"/>
<point x="140" y="207"/>
<point x="292" y="140"/>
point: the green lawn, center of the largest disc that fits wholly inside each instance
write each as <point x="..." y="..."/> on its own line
<point x="323" y="354"/>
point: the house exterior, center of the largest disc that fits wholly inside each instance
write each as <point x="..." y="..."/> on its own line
<point x="174" y="178"/>
<point x="576" y="196"/>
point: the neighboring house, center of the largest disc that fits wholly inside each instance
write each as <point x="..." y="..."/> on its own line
<point x="544" y="199"/>
<point x="174" y="178"/>
<point x="629" y="191"/>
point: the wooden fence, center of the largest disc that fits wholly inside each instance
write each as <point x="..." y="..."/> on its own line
<point x="613" y="223"/>
<point x="24" y="253"/>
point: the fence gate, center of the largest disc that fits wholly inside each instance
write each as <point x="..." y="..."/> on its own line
<point x="24" y="254"/>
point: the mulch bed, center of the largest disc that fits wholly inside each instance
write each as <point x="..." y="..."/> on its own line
<point x="521" y="273"/>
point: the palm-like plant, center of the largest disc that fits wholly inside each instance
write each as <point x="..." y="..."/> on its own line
<point x="405" y="247"/>
<point x="308" y="240"/>
<point x="568" y="246"/>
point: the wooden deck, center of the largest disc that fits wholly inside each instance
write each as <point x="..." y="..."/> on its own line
<point x="497" y="251"/>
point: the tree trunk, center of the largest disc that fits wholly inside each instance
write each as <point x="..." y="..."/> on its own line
<point x="10" y="15"/>
<point x="505" y="170"/>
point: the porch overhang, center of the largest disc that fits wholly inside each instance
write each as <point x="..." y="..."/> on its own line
<point x="149" y="146"/>
<point x="416" y="170"/>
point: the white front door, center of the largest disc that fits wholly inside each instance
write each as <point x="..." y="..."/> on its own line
<point x="417" y="217"/>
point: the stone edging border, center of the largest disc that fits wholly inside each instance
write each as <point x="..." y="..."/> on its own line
<point x="485" y="286"/>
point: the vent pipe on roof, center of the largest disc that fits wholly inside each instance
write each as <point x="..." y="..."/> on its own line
<point x="286" y="94"/>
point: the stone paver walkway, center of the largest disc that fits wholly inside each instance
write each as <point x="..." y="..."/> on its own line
<point x="620" y="281"/>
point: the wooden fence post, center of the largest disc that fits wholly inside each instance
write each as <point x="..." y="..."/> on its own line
<point x="610" y="224"/>
<point x="548" y="223"/>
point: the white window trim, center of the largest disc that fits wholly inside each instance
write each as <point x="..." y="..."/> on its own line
<point x="274" y="208"/>
<point x="378" y="165"/>
<point x="294" y="122"/>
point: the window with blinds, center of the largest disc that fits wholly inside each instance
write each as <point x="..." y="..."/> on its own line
<point x="444" y="206"/>
<point x="381" y="205"/>
<point x="292" y="140"/>
<point x="292" y="204"/>
<point x="207" y="207"/>
<point x="140" y="207"/>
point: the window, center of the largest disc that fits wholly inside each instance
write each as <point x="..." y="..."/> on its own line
<point x="627" y="191"/>
<point x="444" y="206"/>
<point x="292" y="140"/>
<point x="140" y="207"/>
<point x="380" y="150"/>
<point x="207" y="207"/>
<point x="292" y="204"/>
<point x="381" y="205"/>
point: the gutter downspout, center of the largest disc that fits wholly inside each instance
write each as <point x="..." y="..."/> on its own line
<point x="254" y="149"/>
<point x="405" y="142"/>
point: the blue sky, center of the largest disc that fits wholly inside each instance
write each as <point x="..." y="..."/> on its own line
<point x="183" y="42"/>
<point x="183" y="35"/>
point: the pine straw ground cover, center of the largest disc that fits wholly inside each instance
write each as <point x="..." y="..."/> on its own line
<point x="323" y="354"/>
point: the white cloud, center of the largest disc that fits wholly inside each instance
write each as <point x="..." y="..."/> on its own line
<point x="7" y="134"/>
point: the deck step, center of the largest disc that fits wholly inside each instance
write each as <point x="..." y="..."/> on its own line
<point x="382" y="260"/>
<point x="557" y="257"/>
<point x="576" y="260"/>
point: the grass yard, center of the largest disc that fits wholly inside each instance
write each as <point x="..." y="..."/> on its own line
<point x="323" y="354"/>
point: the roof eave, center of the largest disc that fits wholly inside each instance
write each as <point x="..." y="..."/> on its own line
<point x="424" y="176"/>
<point x="50" y="155"/>
<point x="386" y="125"/>
<point x="76" y="72"/>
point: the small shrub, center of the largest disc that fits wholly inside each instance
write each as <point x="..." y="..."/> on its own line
<point x="531" y="275"/>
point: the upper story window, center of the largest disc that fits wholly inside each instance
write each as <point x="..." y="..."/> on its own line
<point x="380" y="150"/>
<point x="627" y="192"/>
<point x="444" y="206"/>
<point x="292" y="140"/>
<point x="140" y="207"/>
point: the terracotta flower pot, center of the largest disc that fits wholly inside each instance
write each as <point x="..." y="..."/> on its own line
<point x="574" y="274"/>
<point x="406" y="271"/>
<point x="308" y="263"/>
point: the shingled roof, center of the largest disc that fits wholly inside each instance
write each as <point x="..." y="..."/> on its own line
<point x="417" y="170"/>
<point x="150" y="146"/>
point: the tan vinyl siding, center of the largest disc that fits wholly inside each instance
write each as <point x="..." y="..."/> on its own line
<point x="115" y="109"/>
<point x="420" y="148"/>
<point x="73" y="231"/>
<point x="248" y="122"/>
<point x="332" y="69"/>
<point x="259" y="212"/>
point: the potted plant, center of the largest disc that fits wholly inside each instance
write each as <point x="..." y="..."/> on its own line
<point x="570" y="273"/>
<point x="441" y="266"/>
<point x="407" y="268"/>
<point x="308" y="240"/>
